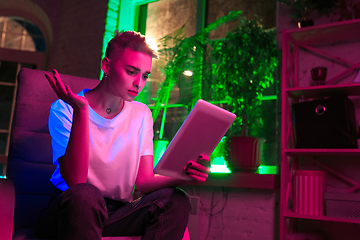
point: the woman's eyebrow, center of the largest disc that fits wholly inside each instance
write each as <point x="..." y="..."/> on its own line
<point x="137" y="69"/>
<point x="134" y="68"/>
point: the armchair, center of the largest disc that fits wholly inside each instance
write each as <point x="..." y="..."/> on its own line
<point x="27" y="189"/>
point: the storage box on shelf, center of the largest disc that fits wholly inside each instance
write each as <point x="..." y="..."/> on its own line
<point x="330" y="122"/>
<point x="308" y="194"/>
<point x="295" y="90"/>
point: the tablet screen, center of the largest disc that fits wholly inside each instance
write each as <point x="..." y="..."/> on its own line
<point x="200" y="133"/>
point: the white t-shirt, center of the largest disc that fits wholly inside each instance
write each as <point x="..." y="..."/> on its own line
<point x="116" y="146"/>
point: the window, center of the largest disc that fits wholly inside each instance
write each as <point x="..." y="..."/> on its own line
<point x="20" y="34"/>
<point x="16" y="34"/>
<point x="175" y="14"/>
<point x="156" y="19"/>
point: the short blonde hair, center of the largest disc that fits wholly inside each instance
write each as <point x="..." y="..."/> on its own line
<point x="129" y="39"/>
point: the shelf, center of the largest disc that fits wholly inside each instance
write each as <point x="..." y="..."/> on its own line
<point x="242" y="180"/>
<point x="327" y="33"/>
<point x="352" y="89"/>
<point x="316" y="151"/>
<point x="320" y="217"/>
<point x="324" y="43"/>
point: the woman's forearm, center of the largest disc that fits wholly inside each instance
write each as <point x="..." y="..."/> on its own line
<point x="74" y="164"/>
<point x="156" y="182"/>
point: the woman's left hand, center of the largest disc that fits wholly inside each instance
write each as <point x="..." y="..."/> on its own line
<point x="199" y="170"/>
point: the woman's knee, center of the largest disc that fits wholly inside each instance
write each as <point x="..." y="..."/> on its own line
<point x="183" y="199"/>
<point x="83" y="195"/>
<point x="176" y="198"/>
<point x="78" y="204"/>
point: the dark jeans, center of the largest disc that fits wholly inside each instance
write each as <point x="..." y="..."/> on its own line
<point x="81" y="212"/>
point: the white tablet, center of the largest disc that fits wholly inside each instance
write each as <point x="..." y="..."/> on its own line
<point x="200" y="133"/>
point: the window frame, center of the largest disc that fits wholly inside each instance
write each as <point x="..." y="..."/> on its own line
<point x="20" y="56"/>
<point x="130" y="18"/>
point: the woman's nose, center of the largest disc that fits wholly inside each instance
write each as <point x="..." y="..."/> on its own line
<point x="136" y="83"/>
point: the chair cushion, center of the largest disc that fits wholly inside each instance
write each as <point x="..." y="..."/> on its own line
<point x="30" y="159"/>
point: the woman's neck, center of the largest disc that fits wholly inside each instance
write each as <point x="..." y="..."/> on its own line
<point x="103" y="103"/>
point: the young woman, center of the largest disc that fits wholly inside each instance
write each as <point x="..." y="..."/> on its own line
<point x="102" y="147"/>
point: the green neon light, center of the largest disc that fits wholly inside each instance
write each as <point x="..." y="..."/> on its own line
<point x="219" y="169"/>
<point x="114" y="5"/>
<point x="267" y="169"/>
<point x="218" y="162"/>
<point x="269" y="97"/>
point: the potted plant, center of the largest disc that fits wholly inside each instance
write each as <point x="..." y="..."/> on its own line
<point x="303" y="11"/>
<point x="180" y="53"/>
<point x="244" y="65"/>
<point x="183" y="53"/>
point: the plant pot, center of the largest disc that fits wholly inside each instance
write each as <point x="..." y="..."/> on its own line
<point x="318" y="75"/>
<point x="305" y="23"/>
<point x="245" y="153"/>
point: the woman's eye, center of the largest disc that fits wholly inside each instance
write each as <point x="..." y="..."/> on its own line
<point x="130" y="72"/>
<point x="145" y="77"/>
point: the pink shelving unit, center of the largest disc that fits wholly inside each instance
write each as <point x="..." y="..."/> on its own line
<point x="311" y="39"/>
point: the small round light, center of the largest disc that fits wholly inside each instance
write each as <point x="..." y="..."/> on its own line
<point x="188" y="73"/>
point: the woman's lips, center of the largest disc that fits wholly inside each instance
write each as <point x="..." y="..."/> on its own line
<point x="133" y="93"/>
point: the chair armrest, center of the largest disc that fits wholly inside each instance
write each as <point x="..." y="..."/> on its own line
<point x="7" y="205"/>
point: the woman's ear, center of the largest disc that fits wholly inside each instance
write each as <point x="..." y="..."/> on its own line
<point x="105" y="65"/>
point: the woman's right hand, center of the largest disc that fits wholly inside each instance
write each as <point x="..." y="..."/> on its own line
<point x="64" y="92"/>
<point x="199" y="170"/>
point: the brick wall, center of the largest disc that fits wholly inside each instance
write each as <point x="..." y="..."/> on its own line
<point x="238" y="213"/>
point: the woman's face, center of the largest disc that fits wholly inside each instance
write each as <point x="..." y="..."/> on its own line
<point x="127" y="74"/>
